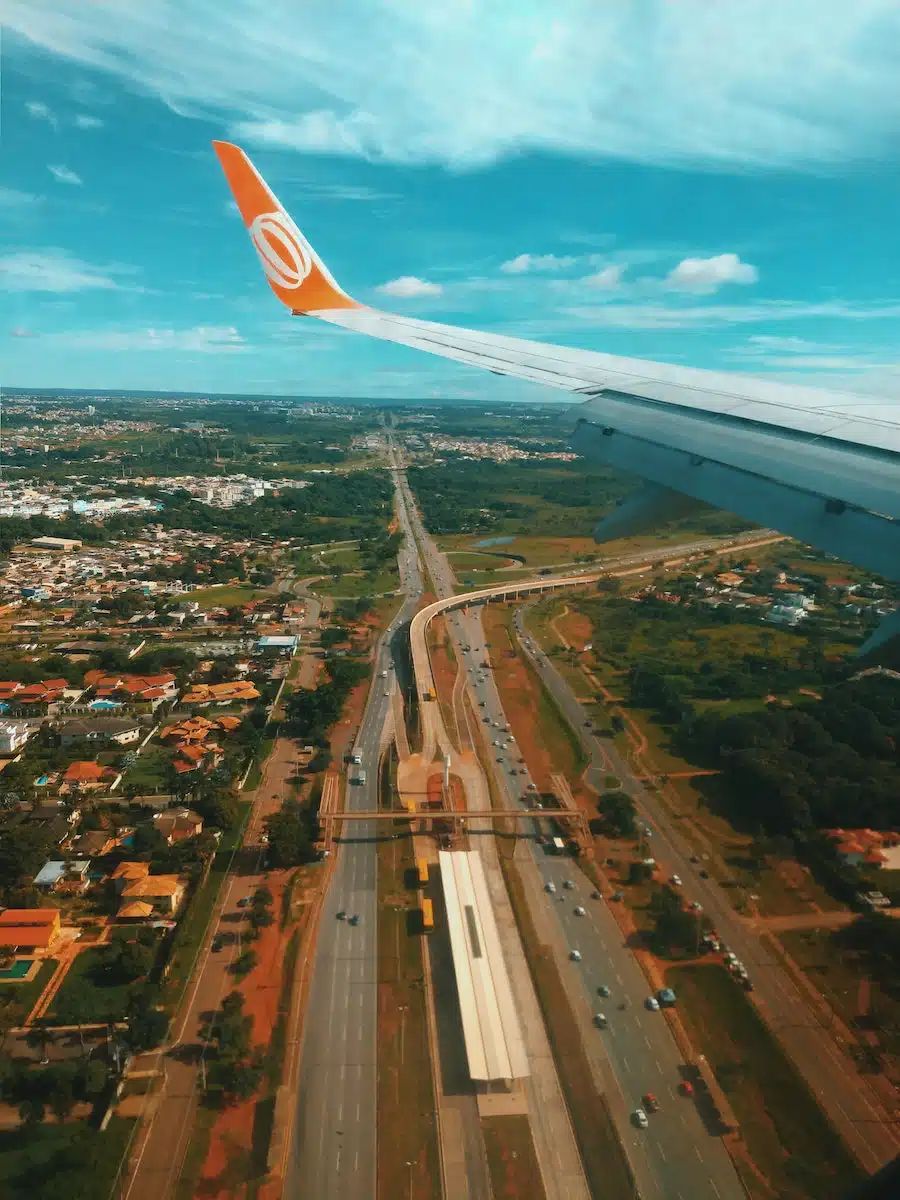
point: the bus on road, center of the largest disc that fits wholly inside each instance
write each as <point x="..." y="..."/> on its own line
<point x="427" y="916"/>
<point x="422" y="865"/>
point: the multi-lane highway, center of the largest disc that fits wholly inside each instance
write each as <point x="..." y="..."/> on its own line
<point x="845" y="1097"/>
<point x="333" y="1150"/>
<point x="677" y="1157"/>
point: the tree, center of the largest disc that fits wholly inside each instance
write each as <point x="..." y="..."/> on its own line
<point x="61" y="1092"/>
<point x="32" y="1111"/>
<point x="40" y="1035"/>
<point x="244" y="964"/>
<point x="617" y="722"/>
<point x="289" y="840"/>
<point x="619" y="810"/>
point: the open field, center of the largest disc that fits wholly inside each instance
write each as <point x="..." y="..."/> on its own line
<point x="787" y="1136"/>
<point x="407" y="1130"/>
<point x="226" y="595"/>
<point x="103" y="1001"/>
<point x="364" y="583"/>
<point x="512" y="1162"/>
<point x="860" y="1002"/>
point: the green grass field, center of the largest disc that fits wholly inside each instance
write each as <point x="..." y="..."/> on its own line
<point x="787" y="1135"/>
<point x="226" y="595"/>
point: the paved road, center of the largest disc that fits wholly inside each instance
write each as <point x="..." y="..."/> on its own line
<point x="333" y="1151"/>
<point x="829" y="1071"/>
<point x="677" y="1156"/>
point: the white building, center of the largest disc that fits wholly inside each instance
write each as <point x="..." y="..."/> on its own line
<point x="13" y="736"/>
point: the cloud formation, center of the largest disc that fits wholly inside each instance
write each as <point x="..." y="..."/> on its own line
<point x="709" y="274"/>
<point x="712" y="316"/>
<point x="83" y="121"/>
<point x="54" y="271"/>
<point x="41" y="112"/>
<point x="524" y="264"/>
<point x="200" y="339"/>
<point x="12" y="198"/>
<point x="64" y="175"/>
<point x="730" y="84"/>
<point x="609" y="278"/>
<point x="409" y="286"/>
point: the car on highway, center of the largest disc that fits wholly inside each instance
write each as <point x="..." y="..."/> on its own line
<point x="579" y="911"/>
<point x="568" y="884"/>
<point x="703" y="873"/>
<point x="575" y="955"/>
<point x="603" y="990"/>
<point x="341" y="915"/>
<point x="354" y="920"/>
<point x="600" y="1020"/>
<point x="675" y="881"/>
<point x="651" y="1004"/>
<point x="550" y="887"/>
<point x="650" y="1103"/>
<point x="640" y="1118"/>
<point x="686" y="1088"/>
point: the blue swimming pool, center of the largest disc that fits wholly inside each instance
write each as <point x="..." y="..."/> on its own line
<point x="104" y="704"/>
<point x="18" y="970"/>
<point x="42" y="782"/>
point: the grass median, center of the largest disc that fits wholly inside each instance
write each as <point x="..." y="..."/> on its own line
<point x="407" y="1150"/>
<point x="512" y="1161"/>
<point x="788" y="1137"/>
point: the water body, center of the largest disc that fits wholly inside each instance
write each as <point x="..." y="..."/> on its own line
<point x="494" y="541"/>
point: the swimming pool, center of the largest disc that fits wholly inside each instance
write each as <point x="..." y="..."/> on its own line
<point x="104" y="704"/>
<point x="42" y="782"/>
<point x="18" y="970"/>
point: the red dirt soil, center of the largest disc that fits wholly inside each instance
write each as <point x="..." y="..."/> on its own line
<point x="225" y="1169"/>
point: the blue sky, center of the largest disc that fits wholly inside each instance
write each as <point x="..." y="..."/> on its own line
<point x="709" y="182"/>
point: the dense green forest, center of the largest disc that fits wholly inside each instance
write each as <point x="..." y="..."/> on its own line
<point x="522" y="498"/>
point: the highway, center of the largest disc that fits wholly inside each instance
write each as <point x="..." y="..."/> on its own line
<point x="831" y="1073"/>
<point x="677" y="1157"/>
<point x="333" y="1150"/>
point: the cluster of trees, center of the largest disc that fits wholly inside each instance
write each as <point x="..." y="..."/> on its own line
<point x="875" y="938"/>
<point x="461" y="496"/>
<point x="619" y="814"/>
<point x="835" y="763"/>
<point x="234" y="1065"/>
<point x="291" y="832"/>
<point x="56" y="1088"/>
<point x="311" y="712"/>
<point x="676" y="929"/>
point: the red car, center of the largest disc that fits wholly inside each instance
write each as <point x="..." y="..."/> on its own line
<point x="686" y="1088"/>
<point x="650" y="1102"/>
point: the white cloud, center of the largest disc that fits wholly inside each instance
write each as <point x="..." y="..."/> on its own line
<point x="40" y="112"/>
<point x="55" y="271"/>
<point x="664" y="316"/>
<point x="64" y="175"/>
<point x="13" y="198"/>
<point x="524" y="264"/>
<point x="409" y="285"/>
<point x="709" y="274"/>
<point x="19" y="331"/>
<point x="83" y="121"/>
<point x="733" y="83"/>
<point x="201" y="339"/>
<point x="608" y="277"/>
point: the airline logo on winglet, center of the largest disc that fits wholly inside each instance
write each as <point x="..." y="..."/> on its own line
<point x="281" y="249"/>
<point x="296" y="274"/>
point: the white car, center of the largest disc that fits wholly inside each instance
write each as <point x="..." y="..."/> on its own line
<point x="575" y="955"/>
<point x="579" y="911"/>
<point x="640" y="1118"/>
<point x="550" y="887"/>
<point x="651" y="1004"/>
<point x="675" y="881"/>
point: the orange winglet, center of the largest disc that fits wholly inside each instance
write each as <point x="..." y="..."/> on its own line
<point x="296" y="274"/>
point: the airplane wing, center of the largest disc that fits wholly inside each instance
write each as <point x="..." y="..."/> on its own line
<point x="822" y="466"/>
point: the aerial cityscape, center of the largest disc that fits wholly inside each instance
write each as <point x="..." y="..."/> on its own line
<point x="449" y="727"/>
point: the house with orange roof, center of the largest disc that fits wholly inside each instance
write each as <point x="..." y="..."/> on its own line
<point x="164" y="892"/>
<point x="867" y="847"/>
<point x="29" y="928"/>
<point x="87" y="776"/>
<point x="238" y="691"/>
<point x="177" y="825"/>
